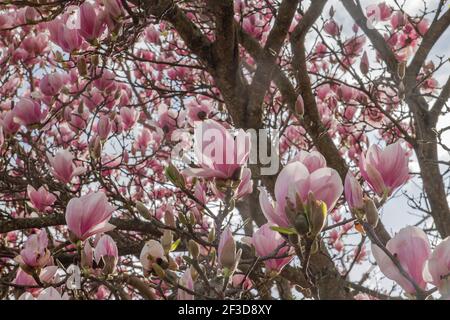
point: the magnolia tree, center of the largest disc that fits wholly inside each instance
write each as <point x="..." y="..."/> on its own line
<point x="220" y="149"/>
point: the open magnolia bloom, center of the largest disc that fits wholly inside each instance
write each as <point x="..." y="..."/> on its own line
<point x="35" y="253"/>
<point x="437" y="268"/>
<point x="296" y="182"/>
<point x="411" y="248"/>
<point x="385" y="170"/>
<point x="219" y="155"/>
<point x="89" y="215"/>
<point x="268" y="242"/>
<point x="63" y="167"/>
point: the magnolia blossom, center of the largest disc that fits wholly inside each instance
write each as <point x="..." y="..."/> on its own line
<point x="128" y="116"/>
<point x="332" y="28"/>
<point x="46" y="275"/>
<point x="198" y="111"/>
<point x="92" y="24"/>
<point x="35" y="253"/>
<point x="68" y="39"/>
<point x="268" y="242"/>
<point x="63" y="167"/>
<point x="412" y="249"/>
<point x="106" y="250"/>
<point x="353" y="192"/>
<point x="437" y="268"/>
<point x="244" y="188"/>
<point x="239" y="280"/>
<point x="89" y="215"/>
<point x="28" y="112"/>
<point x="152" y="252"/>
<point x="51" y="84"/>
<point x="104" y="127"/>
<point x="40" y="199"/>
<point x="296" y="180"/>
<point x="385" y="170"/>
<point x="313" y="160"/>
<point x="219" y="154"/>
<point x="226" y="251"/>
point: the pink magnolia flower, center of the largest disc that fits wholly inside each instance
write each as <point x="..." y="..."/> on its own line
<point x="142" y="140"/>
<point x="266" y="242"/>
<point x="398" y="19"/>
<point x="35" y="253"/>
<point x="113" y="12"/>
<point x="437" y="268"/>
<point x="379" y="12"/>
<point x="240" y="281"/>
<point x="47" y="274"/>
<point x="200" y="192"/>
<point x="346" y="93"/>
<point x="332" y="28"/>
<point x="152" y="35"/>
<point x="104" y="127"/>
<point x="313" y="160"/>
<point x="51" y="84"/>
<point x="152" y="252"/>
<point x="128" y="116"/>
<point x="295" y="179"/>
<point x="353" y="192"/>
<point x="385" y="170"/>
<point x="198" y="111"/>
<point x="105" y="81"/>
<point x="8" y="124"/>
<point x="169" y="119"/>
<point x="106" y="250"/>
<point x="40" y="199"/>
<point x="246" y="185"/>
<point x="244" y="188"/>
<point x="92" y="24"/>
<point x="63" y="167"/>
<point x="28" y="112"/>
<point x="226" y="251"/>
<point x="89" y="215"/>
<point x="412" y="249"/>
<point x="187" y="282"/>
<point x="219" y="154"/>
<point x="68" y="39"/>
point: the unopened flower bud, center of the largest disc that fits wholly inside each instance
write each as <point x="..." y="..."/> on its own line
<point x="193" y="249"/>
<point x="166" y="240"/>
<point x="143" y="211"/>
<point x="96" y="148"/>
<point x="175" y="176"/>
<point x="212" y="235"/>
<point x="301" y="225"/>
<point x="227" y="250"/>
<point x="300" y="106"/>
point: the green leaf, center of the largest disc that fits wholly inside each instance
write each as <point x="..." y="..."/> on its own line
<point x="175" y="245"/>
<point x="282" y="230"/>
